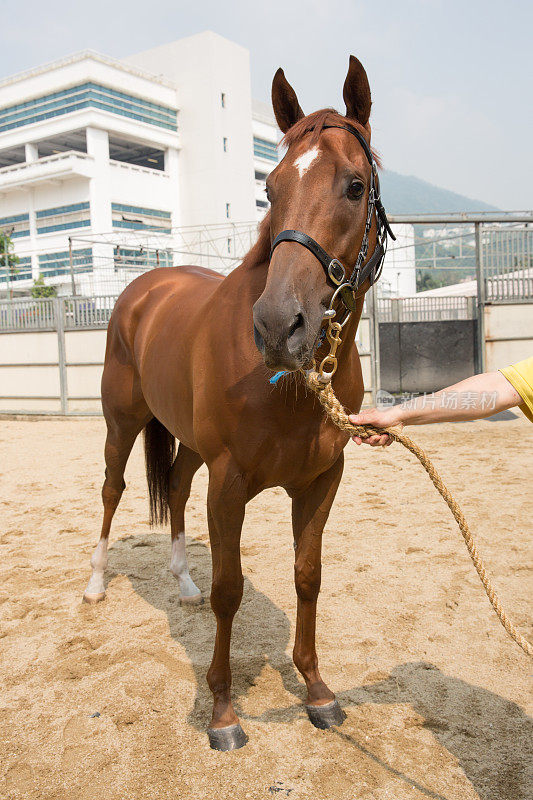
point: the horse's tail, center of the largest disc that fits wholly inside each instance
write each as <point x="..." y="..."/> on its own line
<point x="159" y="452"/>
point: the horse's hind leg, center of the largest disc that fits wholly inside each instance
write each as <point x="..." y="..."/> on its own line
<point x="121" y="434"/>
<point x="310" y="510"/>
<point x="185" y="465"/>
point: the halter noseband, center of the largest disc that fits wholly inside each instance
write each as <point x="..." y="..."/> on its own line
<point x="333" y="268"/>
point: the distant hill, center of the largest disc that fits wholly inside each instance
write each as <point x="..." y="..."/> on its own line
<point x="405" y="194"/>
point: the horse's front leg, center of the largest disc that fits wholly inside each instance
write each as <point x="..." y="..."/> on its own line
<point x="226" y="500"/>
<point x="310" y="510"/>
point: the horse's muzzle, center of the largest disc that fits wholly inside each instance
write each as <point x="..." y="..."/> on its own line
<point x="280" y="335"/>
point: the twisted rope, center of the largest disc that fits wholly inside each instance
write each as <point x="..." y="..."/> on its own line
<point x="338" y="415"/>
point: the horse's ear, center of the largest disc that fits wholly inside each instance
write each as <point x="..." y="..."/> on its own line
<point x="284" y="102"/>
<point x="356" y="92"/>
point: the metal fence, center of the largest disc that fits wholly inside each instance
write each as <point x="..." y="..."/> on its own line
<point x="78" y="313"/>
<point x="46" y="314"/>
<point x="507" y="261"/>
<point x="425" y="309"/>
<point x="27" y="314"/>
<point x="491" y="253"/>
<point x="87" y="312"/>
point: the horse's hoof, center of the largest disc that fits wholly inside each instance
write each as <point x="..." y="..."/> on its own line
<point x="324" y="717"/>
<point x="93" y="597"/>
<point x="191" y="600"/>
<point x="230" y="738"/>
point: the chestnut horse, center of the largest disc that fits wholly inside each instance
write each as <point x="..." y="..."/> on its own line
<point x="181" y="363"/>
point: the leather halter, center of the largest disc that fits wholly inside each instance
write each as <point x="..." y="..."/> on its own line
<point x="333" y="268"/>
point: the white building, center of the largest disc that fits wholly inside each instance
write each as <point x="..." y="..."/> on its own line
<point x="94" y="146"/>
<point x="399" y="270"/>
<point x="108" y="165"/>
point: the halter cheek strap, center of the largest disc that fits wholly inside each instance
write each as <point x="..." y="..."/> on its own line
<point x="333" y="268"/>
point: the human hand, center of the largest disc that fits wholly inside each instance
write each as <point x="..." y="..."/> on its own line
<point x="388" y="418"/>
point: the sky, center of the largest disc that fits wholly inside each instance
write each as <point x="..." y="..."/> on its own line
<point x="451" y="81"/>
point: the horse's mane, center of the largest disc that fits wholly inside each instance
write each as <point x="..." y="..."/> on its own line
<point x="260" y="252"/>
<point x="314" y="123"/>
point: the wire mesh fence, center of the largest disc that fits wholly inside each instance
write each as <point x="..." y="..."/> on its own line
<point x="429" y="254"/>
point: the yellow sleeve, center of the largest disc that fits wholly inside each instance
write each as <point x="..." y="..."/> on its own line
<point x="520" y="376"/>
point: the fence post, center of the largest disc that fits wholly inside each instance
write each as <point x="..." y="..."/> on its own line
<point x="374" y="342"/>
<point x="395" y="309"/>
<point x="480" y="279"/>
<point x="61" y="356"/>
<point x="71" y="265"/>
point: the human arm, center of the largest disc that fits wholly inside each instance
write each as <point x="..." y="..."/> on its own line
<point x="474" y="398"/>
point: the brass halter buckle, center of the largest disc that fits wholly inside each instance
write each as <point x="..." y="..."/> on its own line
<point x="336" y="272"/>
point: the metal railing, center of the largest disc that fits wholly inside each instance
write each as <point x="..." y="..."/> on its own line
<point x="507" y="255"/>
<point x="28" y="314"/>
<point x="94" y="312"/>
<point x="87" y="312"/>
<point x="515" y="287"/>
<point x="74" y="313"/>
<point x="23" y="166"/>
<point x="425" y="309"/>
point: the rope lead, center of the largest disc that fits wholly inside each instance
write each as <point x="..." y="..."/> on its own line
<point x="338" y="415"/>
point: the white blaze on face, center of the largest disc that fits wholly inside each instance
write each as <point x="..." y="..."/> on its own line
<point x="304" y="161"/>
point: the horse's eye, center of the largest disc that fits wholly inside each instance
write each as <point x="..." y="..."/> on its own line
<point x="355" y="190"/>
<point x="267" y="192"/>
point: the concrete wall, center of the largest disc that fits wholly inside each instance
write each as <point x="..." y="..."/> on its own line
<point x="84" y="355"/>
<point x="46" y="372"/>
<point x="363" y="340"/>
<point x="426" y="356"/>
<point x="29" y="388"/>
<point x="508" y="334"/>
<point x="31" y="377"/>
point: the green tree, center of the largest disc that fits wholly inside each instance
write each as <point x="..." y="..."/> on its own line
<point x="8" y="258"/>
<point x="424" y="281"/>
<point x="40" y="289"/>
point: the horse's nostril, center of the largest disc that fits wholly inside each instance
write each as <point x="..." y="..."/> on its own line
<point x="298" y="323"/>
<point x="259" y="341"/>
<point x="296" y="334"/>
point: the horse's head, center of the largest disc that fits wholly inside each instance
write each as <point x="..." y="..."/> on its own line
<point x="321" y="187"/>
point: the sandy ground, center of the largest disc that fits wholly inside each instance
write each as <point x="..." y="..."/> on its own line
<point x="111" y="701"/>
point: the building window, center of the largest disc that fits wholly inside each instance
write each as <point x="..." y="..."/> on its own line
<point x="17" y="272"/>
<point x="229" y="244"/>
<point x="228" y="210"/>
<point x="225" y="143"/>
<point x="128" y="151"/>
<point x="260" y="176"/>
<point x="51" y="264"/>
<point x="62" y="218"/>
<point x="86" y="95"/>
<point x="126" y="258"/>
<point x="16" y="226"/>
<point x="223" y="99"/>
<point x="261" y="204"/>
<point x="137" y="218"/>
<point x="265" y="149"/>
